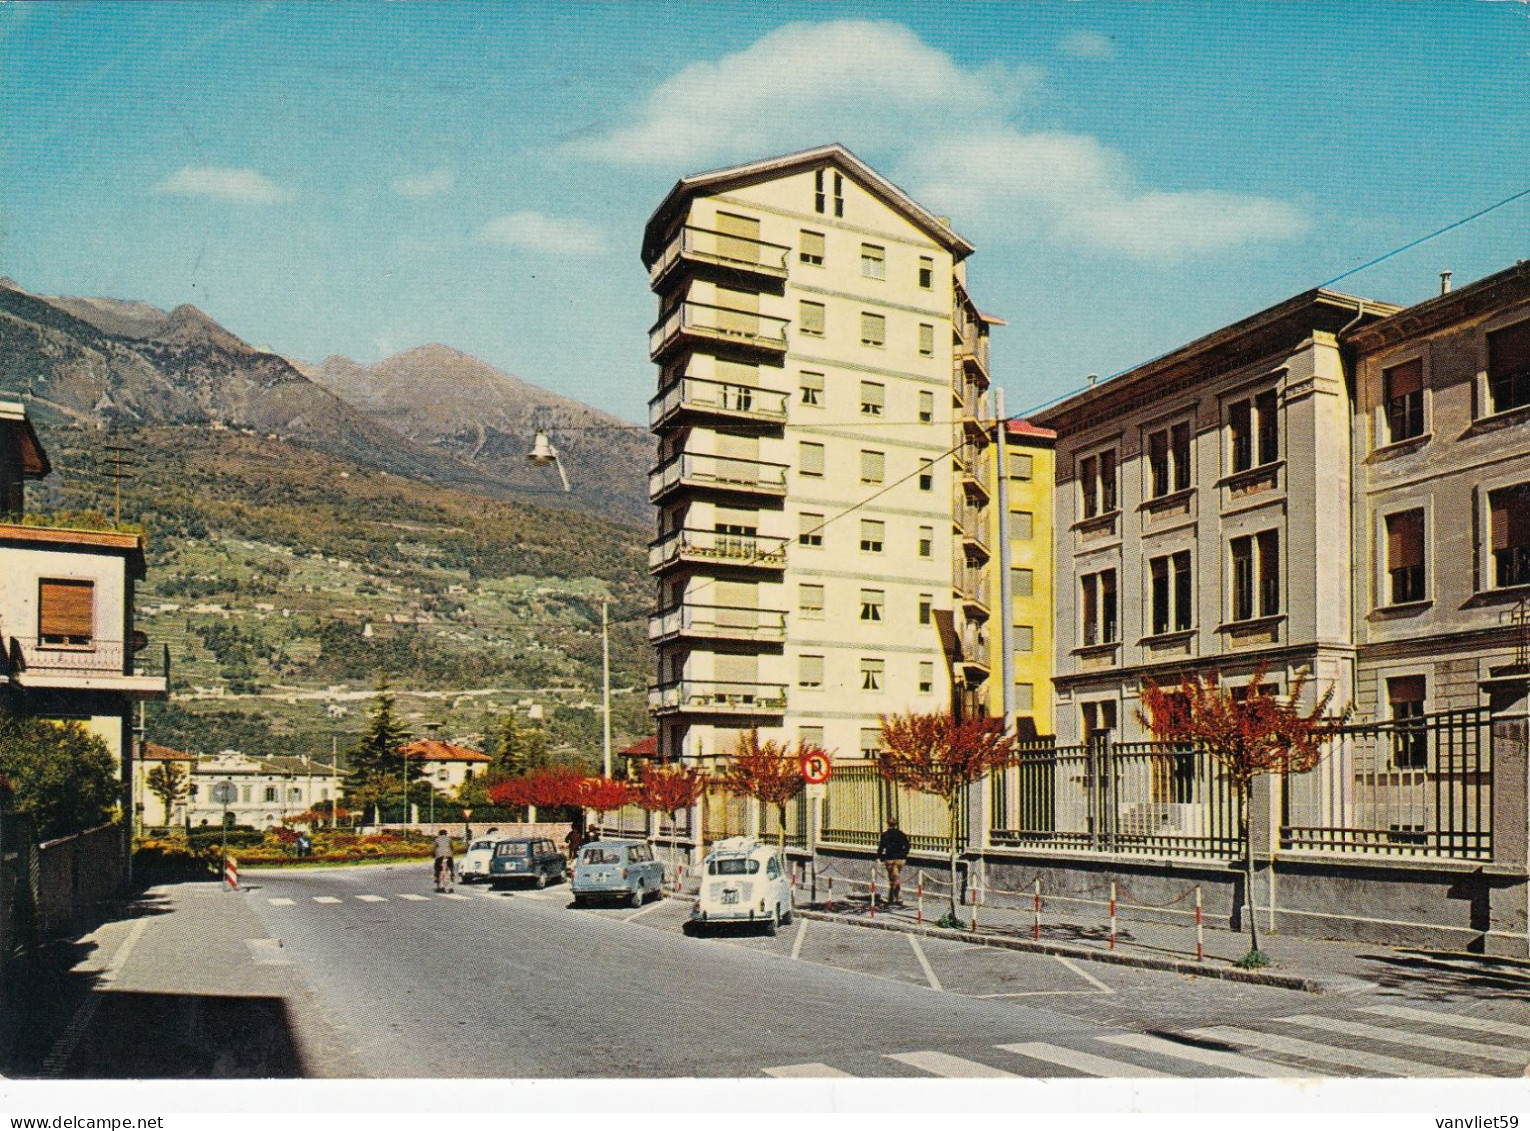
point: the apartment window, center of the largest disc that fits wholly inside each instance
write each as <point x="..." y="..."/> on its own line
<point x="1098" y="591"/>
<point x="872" y="533"/>
<point x="1024" y="637"/>
<point x="809" y="671"/>
<point x="1025" y="696"/>
<point x="810" y="601"/>
<point x="1022" y="582"/>
<point x="926" y="605"/>
<point x="926" y="273"/>
<point x="1020" y="467"/>
<point x="873" y="261"/>
<point x="1099" y="719"/>
<point x="1171" y="593"/>
<point x="811" y="248"/>
<point x="872" y="601"/>
<point x="1022" y="525"/>
<point x="873" y="466"/>
<point x="871" y="743"/>
<point x="873" y="672"/>
<point x="926" y="475"/>
<point x="810" y="736"/>
<point x="1403" y="390"/>
<point x="1405" y="557"/>
<point x="810" y="389"/>
<point x="926" y="340"/>
<point x="810" y="530"/>
<point x="270" y="793"/>
<point x="810" y="458"/>
<point x="810" y="318"/>
<point x="1509" y="366"/>
<point x="1184" y="592"/>
<point x="1256" y="576"/>
<point x="873" y="398"/>
<point x="926" y="677"/>
<point x="839" y="195"/>
<point x="1254" y="428"/>
<point x="926" y="408"/>
<point x="818" y="193"/>
<point x="1097" y="482"/>
<point x="1410" y="740"/>
<point x="926" y="541"/>
<point x="873" y="330"/>
<point x="1509" y="520"/>
<point x="66" y="612"/>
<point x="1169" y="460"/>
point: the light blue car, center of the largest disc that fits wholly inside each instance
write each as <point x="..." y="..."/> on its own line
<point x="617" y="869"/>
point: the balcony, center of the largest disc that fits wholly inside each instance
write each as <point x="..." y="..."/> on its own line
<point x="737" y="253"/>
<point x="974" y="524"/>
<point x="973" y="355"/>
<point x="698" y="397"/>
<point x="711" y="548"/>
<point x="711" y="697"/>
<point x="718" y="473"/>
<point x="971" y="585"/>
<point x="701" y="324"/>
<point x="135" y="667"/>
<point x="973" y="471"/>
<point x="977" y="417"/>
<point x="717" y="622"/>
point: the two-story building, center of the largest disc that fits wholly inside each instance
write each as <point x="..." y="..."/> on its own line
<point x="445" y="765"/>
<point x="266" y="790"/>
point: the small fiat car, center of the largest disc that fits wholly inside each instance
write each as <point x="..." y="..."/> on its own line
<point x="474" y="865"/>
<point x="526" y="858"/>
<point x="743" y="881"/>
<point x="617" y="869"/>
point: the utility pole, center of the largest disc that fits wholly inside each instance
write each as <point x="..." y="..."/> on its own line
<point x="605" y="672"/>
<point x="1006" y="595"/>
<point x="119" y="467"/>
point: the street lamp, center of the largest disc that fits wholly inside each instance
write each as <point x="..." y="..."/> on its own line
<point x="433" y="728"/>
<point x="543" y="453"/>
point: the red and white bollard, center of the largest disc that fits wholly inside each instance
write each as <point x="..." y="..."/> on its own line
<point x="828" y="901"/>
<point x="1200" y="934"/>
<point x="1036" y="924"/>
<point x="919" y="908"/>
<point x="1112" y="914"/>
<point x="231" y="874"/>
<point x="873" y="891"/>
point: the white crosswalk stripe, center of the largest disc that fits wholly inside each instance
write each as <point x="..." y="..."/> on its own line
<point x="1324" y="1054"/>
<point x="1080" y="1061"/>
<point x="1215" y="1058"/>
<point x="534" y="895"/>
<point x="1409" y="1037"/>
<point x="944" y="1064"/>
<point x="372" y="898"/>
<point x="1452" y="1020"/>
<point x="451" y="895"/>
<point x="803" y="1071"/>
<point x="280" y="902"/>
<point x="412" y="898"/>
<point x="325" y="899"/>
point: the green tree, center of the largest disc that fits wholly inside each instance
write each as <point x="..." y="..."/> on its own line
<point x="374" y="763"/>
<point x="520" y="747"/>
<point x="168" y="782"/>
<point x="63" y="777"/>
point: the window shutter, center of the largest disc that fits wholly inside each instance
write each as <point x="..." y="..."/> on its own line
<point x="66" y="611"/>
<point x="873" y="467"/>
<point x="813" y="381"/>
<point x="810" y="458"/>
<point x="1509" y="351"/>
<point x="1405" y="540"/>
<point x="1403" y="379"/>
<point x="1406" y="689"/>
<point x="873" y="394"/>
<point x="812" y="246"/>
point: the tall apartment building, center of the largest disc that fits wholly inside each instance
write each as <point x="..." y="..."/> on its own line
<point x="1202" y="515"/>
<point x="821" y="493"/>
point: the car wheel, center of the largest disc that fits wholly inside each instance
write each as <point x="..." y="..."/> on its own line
<point x="579" y="901"/>
<point x="773" y="922"/>
<point x="786" y="918"/>
<point x="635" y="899"/>
<point x="541" y="880"/>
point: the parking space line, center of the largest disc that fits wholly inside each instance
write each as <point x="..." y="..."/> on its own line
<point x="816" y="1069"/>
<point x="1084" y="974"/>
<point x="924" y="964"/>
<point x="797" y="942"/>
<point x="654" y="906"/>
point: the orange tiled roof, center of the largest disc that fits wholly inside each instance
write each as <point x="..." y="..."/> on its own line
<point x="642" y="748"/>
<point x="154" y="752"/>
<point x="434" y="750"/>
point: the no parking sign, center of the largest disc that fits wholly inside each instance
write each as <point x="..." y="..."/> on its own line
<point x="815" y="768"/>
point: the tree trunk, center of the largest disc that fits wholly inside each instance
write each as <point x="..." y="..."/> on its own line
<point x="1248" y="866"/>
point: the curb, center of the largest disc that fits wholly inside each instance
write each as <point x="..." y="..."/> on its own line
<point x="1114" y="958"/>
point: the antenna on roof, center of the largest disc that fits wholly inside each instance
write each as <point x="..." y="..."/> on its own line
<point x="119" y="466"/>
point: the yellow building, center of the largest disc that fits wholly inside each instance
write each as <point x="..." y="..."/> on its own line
<point x="1028" y="490"/>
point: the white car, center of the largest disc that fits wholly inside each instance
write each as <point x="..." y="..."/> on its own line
<point x="474" y="866"/>
<point x="743" y="880"/>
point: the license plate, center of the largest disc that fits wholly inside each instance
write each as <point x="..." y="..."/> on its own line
<point x="730" y="897"/>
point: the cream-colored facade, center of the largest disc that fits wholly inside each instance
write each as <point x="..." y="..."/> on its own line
<point x="267" y="790"/>
<point x="821" y="551"/>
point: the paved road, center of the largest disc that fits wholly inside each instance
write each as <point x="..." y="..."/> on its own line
<point x="410" y="983"/>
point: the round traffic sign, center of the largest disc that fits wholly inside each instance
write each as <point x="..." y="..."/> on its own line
<point x="815" y="768"/>
<point x="224" y="793"/>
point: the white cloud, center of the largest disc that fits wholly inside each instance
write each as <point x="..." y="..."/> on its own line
<point x="243" y="185"/>
<point x="953" y="135"/>
<point x="425" y="184"/>
<point x="536" y="231"/>
<point x="1088" y="45"/>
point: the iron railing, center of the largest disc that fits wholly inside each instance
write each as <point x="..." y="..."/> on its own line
<point x="708" y="246"/>
<point x="700" y="394"/>
<point x="729" y="473"/>
<point x="98" y="659"/>
<point x="717" y="323"/>
<point x="718" y="697"/>
<point x="857" y="803"/>
<point x="765" y="551"/>
<point x="718" y="622"/>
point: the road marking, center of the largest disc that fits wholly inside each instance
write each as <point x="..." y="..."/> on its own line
<point x="372" y="898"/>
<point x="534" y="895"/>
<point x="412" y="898"/>
<point x="452" y="895"/>
<point x="944" y="1064"/>
<point x="654" y="906"/>
<point x="1084" y="974"/>
<point x="1398" y="1037"/>
<point x="1325" y="1054"/>
<point x="924" y="964"/>
<point x="1216" y="1058"/>
<point x="797" y="942"/>
<point x="805" y="1071"/>
<point x="79" y="1022"/>
<point x="1080" y="1061"/>
<point x="280" y="902"/>
<point x="325" y="899"/>
<point x="1452" y="1020"/>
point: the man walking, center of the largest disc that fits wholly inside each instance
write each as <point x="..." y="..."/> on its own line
<point x="892" y="851"/>
<point x="444" y="862"/>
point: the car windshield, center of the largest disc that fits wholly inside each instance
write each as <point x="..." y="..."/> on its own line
<point x="738" y="866"/>
<point x="513" y="848"/>
<point x="602" y="856"/>
<point x="482" y="846"/>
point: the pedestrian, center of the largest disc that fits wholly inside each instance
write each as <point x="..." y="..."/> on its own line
<point x="892" y="851"/>
<point x="444" y="863"/>
<point x="574" y="840"/>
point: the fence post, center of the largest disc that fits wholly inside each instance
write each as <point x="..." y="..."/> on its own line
<point x="1092" y="789"/>
<point x="1112" y="914"/>
<point x="1110" y="790"/>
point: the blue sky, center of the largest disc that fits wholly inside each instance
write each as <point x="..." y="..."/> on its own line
<point x="363" y="178"/>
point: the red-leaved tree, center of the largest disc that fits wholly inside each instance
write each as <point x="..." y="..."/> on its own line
<point x="550" y="788"/>
<point x="941" y="755"/>
<point x="605" y="794"/>
<point x="668" y="789"/>
<point x="1249" y="734"/>
<point x="769" y="771"/>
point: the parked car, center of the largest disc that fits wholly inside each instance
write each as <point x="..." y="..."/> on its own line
<point x="532" y="858"/>
<point x="743" y="880"/>
<point x="474" y="865"/>
<point x="620" y="869"/>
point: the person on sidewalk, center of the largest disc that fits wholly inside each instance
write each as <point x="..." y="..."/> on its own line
<point x="444" y="861"/>
<point x="892" y="851"/>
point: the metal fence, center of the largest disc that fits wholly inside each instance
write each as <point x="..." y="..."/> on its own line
<point x="858" y="802"/>
<point x="1411" y="787"/>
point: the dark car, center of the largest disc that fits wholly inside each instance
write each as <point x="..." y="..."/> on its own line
<point x="531" y="858"/>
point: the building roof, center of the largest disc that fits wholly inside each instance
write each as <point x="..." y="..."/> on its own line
<point x="434" y="750"/>
<point x="1025" y="430"/>
<point x="738" y="176"/>
<point x="34" y="460"/>
<point x="642" y="748"/>
<point x="154" y="752"/>
<point x="1485" y="296"/>
<point x="57" y="536"/>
